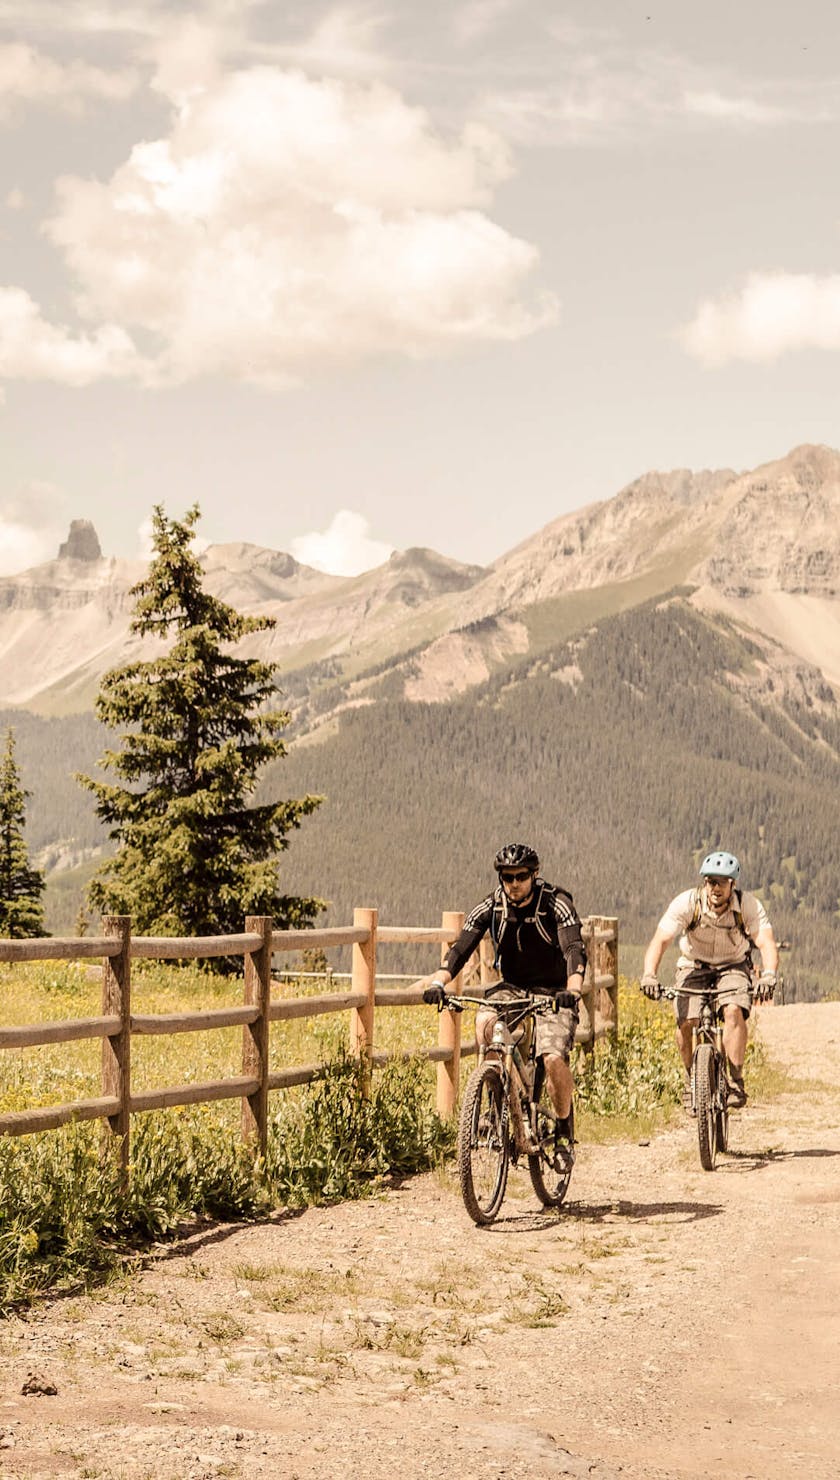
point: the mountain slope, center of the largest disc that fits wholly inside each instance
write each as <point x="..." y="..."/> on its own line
<point x="762" y="547"/>
<point x="624" y="755"/>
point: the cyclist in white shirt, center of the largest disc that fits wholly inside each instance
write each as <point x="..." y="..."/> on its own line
<point x="718" y="926"/>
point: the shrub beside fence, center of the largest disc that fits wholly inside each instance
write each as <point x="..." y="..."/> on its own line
<point x="118" y="1025"/>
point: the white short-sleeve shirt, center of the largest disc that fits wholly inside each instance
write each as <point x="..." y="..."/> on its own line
<point x="715" y="938"/>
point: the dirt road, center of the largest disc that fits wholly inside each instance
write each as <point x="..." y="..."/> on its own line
<point x="669" y="1324"/>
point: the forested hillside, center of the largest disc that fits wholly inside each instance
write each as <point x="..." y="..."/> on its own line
<point x="60" y="820"/>
<point x="624" y="755"/>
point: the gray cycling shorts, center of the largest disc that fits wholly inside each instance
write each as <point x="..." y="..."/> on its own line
<point x="555" y="1030"/>
<point x="732" y="990"/>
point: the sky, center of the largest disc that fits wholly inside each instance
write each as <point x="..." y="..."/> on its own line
<point x="358" y="277"/>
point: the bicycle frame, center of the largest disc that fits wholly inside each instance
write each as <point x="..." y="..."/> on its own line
<point x="521" y="1077"/>
<point x="709" y="1079"/>
<point x="504" y="1115"/>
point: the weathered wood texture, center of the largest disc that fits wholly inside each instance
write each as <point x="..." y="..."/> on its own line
<point x="117" y="1024"/>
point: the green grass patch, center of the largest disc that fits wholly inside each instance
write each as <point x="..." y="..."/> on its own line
<point x="67" y="1219"/>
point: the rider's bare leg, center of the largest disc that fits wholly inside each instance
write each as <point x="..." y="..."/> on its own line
<point x="684" y="1039"/>
<point x="735" y="1035"/>
<point x="558" y="1078"/>
<point x="485" y="1021"/>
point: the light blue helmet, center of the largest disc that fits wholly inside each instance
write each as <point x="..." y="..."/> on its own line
<point x="720" y="865"/>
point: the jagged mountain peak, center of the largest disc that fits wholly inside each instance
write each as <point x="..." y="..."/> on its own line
<point x="82" y="542"/>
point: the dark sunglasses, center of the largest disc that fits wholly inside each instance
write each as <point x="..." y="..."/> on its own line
<point x="517" y="878"/>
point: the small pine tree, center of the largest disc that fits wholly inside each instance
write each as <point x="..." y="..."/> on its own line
<point x="195" y="855"/>
<point x="21" y="887"/>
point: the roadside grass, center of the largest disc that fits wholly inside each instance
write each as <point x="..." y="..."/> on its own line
<point x="67" y="1220"/>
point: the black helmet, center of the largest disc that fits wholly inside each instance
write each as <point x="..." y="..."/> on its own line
<point x="516" y="855"/>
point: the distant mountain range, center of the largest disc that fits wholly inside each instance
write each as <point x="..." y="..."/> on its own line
<point x="638" y="681"/>
<point x="762" y="548"/>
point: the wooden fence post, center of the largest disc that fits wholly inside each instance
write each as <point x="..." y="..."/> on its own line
<point x="585" y="1034"/>
<point x="364" y="980"/>
<point x="605" y="956"/>
<point x="255" y="1036"/>
<point x="449" y="1029"/>
<point x="116" y="1050"/>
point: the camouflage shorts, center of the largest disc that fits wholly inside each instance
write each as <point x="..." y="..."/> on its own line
<point x="555" y="1030"/>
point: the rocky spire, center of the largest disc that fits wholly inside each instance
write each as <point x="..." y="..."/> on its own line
<point x="82" y="543"/>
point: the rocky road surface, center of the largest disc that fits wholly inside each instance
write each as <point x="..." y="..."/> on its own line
<point x="668" y="1324"/>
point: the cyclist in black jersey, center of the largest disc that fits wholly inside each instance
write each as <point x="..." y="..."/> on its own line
<point x="536" y="933"/>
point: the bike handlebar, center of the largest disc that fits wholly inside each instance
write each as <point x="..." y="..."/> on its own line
<point x="757" y="993"/>
<point x="524" y="1003"/>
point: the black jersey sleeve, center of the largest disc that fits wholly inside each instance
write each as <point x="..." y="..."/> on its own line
<point x="476" y="925"/>
<point x="569" y="936"/>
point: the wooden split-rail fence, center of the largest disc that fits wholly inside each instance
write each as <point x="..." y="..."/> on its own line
<point x="118" y="1024"/>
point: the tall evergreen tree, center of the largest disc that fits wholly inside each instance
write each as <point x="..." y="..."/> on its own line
<point x="196" y="855"/>
<point x="21" y="887"/>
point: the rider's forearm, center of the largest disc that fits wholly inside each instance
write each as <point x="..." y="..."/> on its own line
<point x="653" y="956"/>
<point x="575" y="983"/>
<point x="768" y="950"/>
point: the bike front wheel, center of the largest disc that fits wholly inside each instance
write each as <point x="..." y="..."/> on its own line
<point x="722" y="1110"/>
<point x="551" y="1167"/>
<point x="705" y="1099"/>
<point x="483" y="1147"/>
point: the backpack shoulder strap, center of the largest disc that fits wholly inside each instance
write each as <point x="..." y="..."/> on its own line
<point x="495" y="926"/>
<point x="739" y="918"/>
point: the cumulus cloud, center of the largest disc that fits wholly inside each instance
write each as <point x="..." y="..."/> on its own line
<point x="344" y="548"/>
<point x="287" y="223"/>
<point x="22" y="547"/>
<point x="30" y="76"/>
<point x="771" y="314"/>
<point x="33" y="349"/>
<point x="30" y="527"/>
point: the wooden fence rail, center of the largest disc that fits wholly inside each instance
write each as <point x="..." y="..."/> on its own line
<point x="118" y="1024"/>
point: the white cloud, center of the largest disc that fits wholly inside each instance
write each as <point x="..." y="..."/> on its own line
<point x="21" y="547"/>
<point x="343" y="42"/>
<point x="30" y="76"/>
<point x="33" y="349"/>
<point x="771" y="314"/>
<point x="479" y="18"/>
<point x="287" y="223"/>
<point x="586" y="85"/>
<point x="345" y="548"/>
<point x="30" y="527"/>
<point x="717" y="106"/>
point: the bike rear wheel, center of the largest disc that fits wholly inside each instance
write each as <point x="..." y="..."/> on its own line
<point x="705" y="1099"/>
<point x="551" y="1167"/>
<point x="483" y="1147"/>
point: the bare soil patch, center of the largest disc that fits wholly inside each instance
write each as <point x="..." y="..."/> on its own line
<point x="668" y="1324"/>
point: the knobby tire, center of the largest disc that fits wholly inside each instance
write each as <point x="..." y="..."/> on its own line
<point x="705" y="1087"/>
<point x="483" y="1146"/>
<point x="551" y="1167"/>
<point x="722" y="1109"/>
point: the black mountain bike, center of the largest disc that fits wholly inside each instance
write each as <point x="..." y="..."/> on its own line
<point x="710" y="1087"/>
<point x="506" y="1114"/>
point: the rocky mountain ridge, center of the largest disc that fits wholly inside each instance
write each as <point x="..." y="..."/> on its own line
<point x="760" y="547"/>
